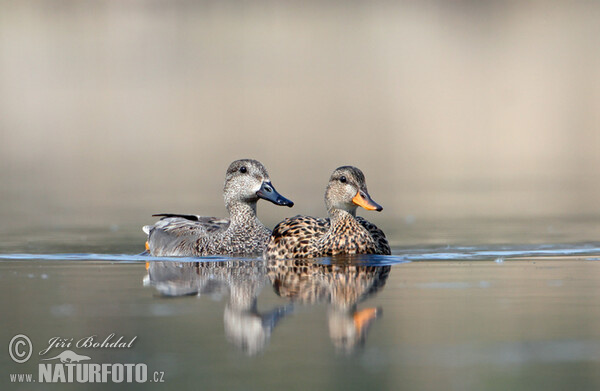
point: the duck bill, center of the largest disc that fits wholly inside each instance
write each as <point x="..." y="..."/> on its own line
<point x="362" y="198"/>
<point x="268" y="192"/>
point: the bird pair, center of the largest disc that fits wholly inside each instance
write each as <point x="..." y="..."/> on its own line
<point x="246" y="181"/>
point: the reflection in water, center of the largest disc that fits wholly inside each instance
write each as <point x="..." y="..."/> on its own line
<point x="245" y="326"/>
<point x="342" y="285"/>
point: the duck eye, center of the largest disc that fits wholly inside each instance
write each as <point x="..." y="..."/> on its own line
<point x="243" y="169"/>
<point x="343" y="179"/>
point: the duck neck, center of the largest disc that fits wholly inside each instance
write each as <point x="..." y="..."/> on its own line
<point x="242" y="213"/>
<point x="339" y="216"/>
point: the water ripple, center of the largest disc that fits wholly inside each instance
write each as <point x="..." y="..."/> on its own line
<point x="400" y="255"/>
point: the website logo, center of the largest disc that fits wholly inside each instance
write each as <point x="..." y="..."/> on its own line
<point x="68" y="356"/>
<point x="72" y="367"/>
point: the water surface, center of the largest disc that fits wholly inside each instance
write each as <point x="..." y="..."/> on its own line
<point x="480" y="317"/>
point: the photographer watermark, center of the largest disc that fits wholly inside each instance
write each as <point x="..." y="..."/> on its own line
<point x="69" y="366"/>
<point x="20" y="348"/>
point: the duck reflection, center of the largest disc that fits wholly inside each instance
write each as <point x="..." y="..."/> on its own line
<point x="241" y="281"/>
<point x="342" y="284"/>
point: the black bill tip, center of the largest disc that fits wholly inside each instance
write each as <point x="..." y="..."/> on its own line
<point x="268" y="192"/>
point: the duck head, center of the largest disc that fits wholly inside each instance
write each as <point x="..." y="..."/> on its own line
<point x="246" y="181"/>
<point x="347" y="190"/>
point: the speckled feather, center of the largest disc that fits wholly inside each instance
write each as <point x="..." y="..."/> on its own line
<point x="178" y="236"/>
<point x="312" y="237"/>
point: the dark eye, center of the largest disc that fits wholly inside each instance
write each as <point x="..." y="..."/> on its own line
<point x="243" y="169"/>
<point x="343" y="179"/>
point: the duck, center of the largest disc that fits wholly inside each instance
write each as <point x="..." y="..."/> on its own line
<point x="343" y="233"/>
<point x="242" y="234"/>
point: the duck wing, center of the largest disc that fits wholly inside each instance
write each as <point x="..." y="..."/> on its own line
<point x="176" y="235"/>
<point x="295" y="236"/>
<point x="381" y="242"/>
<point x="210" y="224"/>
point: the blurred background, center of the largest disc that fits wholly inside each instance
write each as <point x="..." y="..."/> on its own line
<point x="474" y="122"/>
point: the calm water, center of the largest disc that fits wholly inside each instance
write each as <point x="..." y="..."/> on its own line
<point x="484" y="317"/>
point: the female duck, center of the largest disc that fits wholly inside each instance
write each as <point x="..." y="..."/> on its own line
<point x="342" y="233"/>
<point x="242" y="234"/>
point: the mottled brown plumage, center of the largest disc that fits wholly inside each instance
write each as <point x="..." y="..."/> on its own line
<point x="242" y="234"/>
<point x="340" y="234"/>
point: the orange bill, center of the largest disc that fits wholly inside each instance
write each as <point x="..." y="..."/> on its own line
<point x="363" y="199"/>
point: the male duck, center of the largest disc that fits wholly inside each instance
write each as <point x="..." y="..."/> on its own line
<point x="242" y="234"/>
<point x="342" y="233"/>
